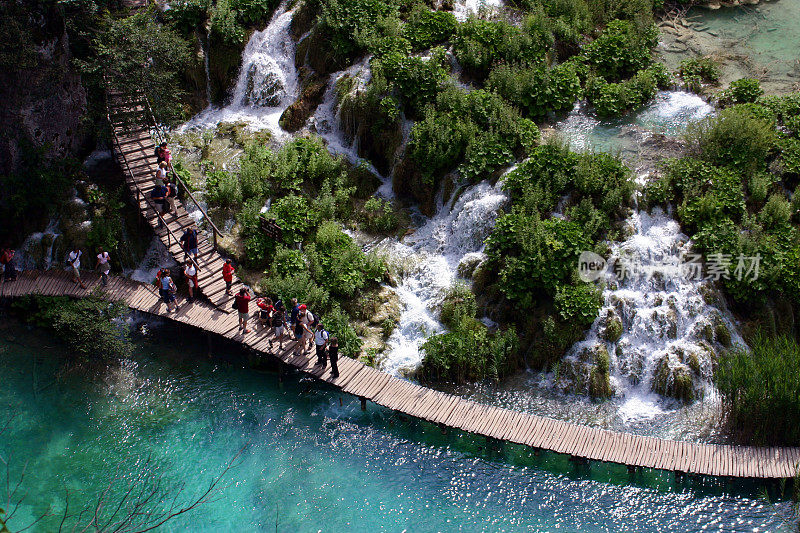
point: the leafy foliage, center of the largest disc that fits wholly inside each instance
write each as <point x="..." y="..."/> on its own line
<point x="537" y="90"/>
<point x="621" y="50"/>
<point x="698" y="70"/>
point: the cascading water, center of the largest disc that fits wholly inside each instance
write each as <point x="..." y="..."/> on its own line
<point x="431" y="257"/>
<point x="464" y="8"/>
<point x="156" y="257"/>
<point x="267" y="82"/>
<point x="668" y="331"/>
<point x="37" y="251"/>
<point x="655" y="323"/>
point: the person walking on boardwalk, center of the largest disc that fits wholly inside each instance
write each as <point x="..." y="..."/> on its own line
<point x="265" y="312"/>
<point x="164" y="155"/>
<point x="103" y="264"/>
<point x="7" y="260"/>
<point x="333" y="355"/>
<point x="321" y="344"/>
<point x="159" y="197"/>
<point x="294" y="313"/>
<point x="172" y="194"/>
<point x="161" y="173"/>
<point x="300" y="331"/>
<point x="279" y="322"/>
<point x="168" y="290"/>
<point x="74" y="264"/>
<point x="242" y="304"/>
<point x="191" y="278"/>
<point x="189" y="242"/>
<point x="305" y="317"/>
<point x="227" y="275"/>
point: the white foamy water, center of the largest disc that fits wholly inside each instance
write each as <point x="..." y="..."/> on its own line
<point x="267" y="82"/>
<point x="668" y="113"/>
<point x="326" y="121"/>
<point x="37" y="249"/>
<point x="464" y="8"/>
<point x="432" y="255"/>
<point x="156" y="257"/>
<point x="665" y="317"/>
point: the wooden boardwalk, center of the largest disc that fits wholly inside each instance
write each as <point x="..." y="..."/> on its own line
<point x="134" y="149"/>
<point x="440" y="408"/>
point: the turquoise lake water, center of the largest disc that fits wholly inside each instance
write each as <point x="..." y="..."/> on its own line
<point x="312" y="463"/>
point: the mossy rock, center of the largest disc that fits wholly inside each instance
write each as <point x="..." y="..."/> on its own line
<point x="302" y="20"/>
<point x="676" y="382"/>
<point x="296" y="115"/>
<point x="224" y="62"/>
<point x="613" y="329"/>
<point x="600" y="384"/>
<point x="602" y="361"/>
<point x="722" y="334"/>
<point x="469" y="264"/>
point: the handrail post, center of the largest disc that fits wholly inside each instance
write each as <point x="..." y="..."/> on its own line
<point x="215" y="238"/>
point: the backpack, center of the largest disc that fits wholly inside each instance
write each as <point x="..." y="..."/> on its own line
<point x="173" y="190"/>
<point x="314" y="322"/>
<point x="298" y="329"/>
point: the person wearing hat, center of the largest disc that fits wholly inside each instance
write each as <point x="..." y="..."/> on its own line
<point x="305" y="318"/>
<point x="321" y="343"/>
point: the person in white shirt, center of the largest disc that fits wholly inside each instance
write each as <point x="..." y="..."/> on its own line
<point x="191" y="278"/>
<point x="104" y="264"/>
<point x="321" y="343"/>
<point x="74" y="262"/>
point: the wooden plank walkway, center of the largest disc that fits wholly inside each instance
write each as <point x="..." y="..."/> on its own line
<point x="437" y="407"/>
<point x="134" y="149"/>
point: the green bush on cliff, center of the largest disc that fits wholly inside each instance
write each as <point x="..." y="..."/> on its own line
<point x="224" y="26"/>
<point x="611" y="99"/>
<point x="479" y="44"/>
<point x="742" y="91"/>
<point x="760" y="388"/>
<point x="478" y="122"/>
<point x="417" y="80"/>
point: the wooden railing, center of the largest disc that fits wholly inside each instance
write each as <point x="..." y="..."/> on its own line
<point x="162" y="137"/>
<point x="141" y="194"/>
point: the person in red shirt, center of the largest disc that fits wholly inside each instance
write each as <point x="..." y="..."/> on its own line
<point x="227" y="275"/>
<point x="265" y="311"/>
<point x="242" y="301"/>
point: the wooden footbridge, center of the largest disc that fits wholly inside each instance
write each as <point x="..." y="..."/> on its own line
<point x="400" y="395"/>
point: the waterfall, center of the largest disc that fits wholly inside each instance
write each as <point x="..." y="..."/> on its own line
<point x="667" y="322"/>
<point x="156" y="257"/>
<point x="267" y="82"/>
<point x="204" y="46"/>
<point x="431" y="257"/>
<point x="37" y="251"/>
<point x="464" y="8"/>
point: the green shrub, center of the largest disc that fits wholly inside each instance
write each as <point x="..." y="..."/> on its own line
<point x="458" y="302"/>
<point x="253" y="12"/>
<point x="742" y="91"/>
<point x="418" y="80"/>
<point x="468" y="353"/>
<point x="426" y="28"/>
<point x="379" y="216"/>
<point x="479" y="44"/>
<point x="222" y="189"/>
<point x="621" y="50"/>
<point x="90" y="327"/>
<point x="338" y="324"/>
<point x="733" y="138"/>
<point x="760" y="388"/>
<point x="352" y="25"/>
<point x="223" y="24"/>
<point x="187" y="15"/>
<point x="698" y="70"/>
<point x="611" y="99"/>
<point x="578" y="303"/>
<point x="301" y="286"/>
<point x="295" y="217"/>
<point x="287" y="262"/>
<point x="537" y="90"/>
<point x="776" y="213"/>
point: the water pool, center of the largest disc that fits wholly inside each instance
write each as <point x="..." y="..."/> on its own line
<point x="315" y="461"/>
